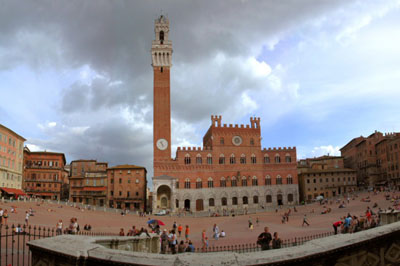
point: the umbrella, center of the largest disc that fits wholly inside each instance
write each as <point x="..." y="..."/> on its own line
<point x="154" y="221"/>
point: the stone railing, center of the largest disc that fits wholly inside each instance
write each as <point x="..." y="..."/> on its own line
<point x="377" y="246"/>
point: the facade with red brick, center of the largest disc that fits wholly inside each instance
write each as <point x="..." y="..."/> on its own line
<point x="360" y="154"/>
<point x="44" y="175"/>
<point x="388" y="157"/>
<point x="127" y="187"/>
<point x="88" y="182"/>
<point x="231" y="171"/>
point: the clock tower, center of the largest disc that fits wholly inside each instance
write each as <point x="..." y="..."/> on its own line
<point x="161" y="53"/>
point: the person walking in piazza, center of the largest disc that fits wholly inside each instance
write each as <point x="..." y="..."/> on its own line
<point x="174" y="226"/>
<point x="187" y="232"/>
<point x="5" y="217"/>
<point x="305" y="220"/>
<point x="180" y="228"/>
<point x="27" y="218"/>
<point x="264" y="239"/>
<point x="215" y="232"/>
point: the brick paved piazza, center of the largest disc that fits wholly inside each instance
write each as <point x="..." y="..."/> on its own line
<point x="236" y="228"/>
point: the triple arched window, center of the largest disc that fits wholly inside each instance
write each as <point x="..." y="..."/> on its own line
<point x="210" y="182"/>
<point x="279" y="180"/>
<point x="233" y="182"/>
<point x="199" y="160"/>
<point x="288" y="159"/>
<point x="266" y="158"/>
<point x="254" y="181"/>
<point x="244" y="181"/>
<point x="209" y="159"/>
<point x="187" y="183"/>
<point x="242" y="159"/>
<point x="187" y="159"/>
<point x="232" y="159"/>
<point x="221" y="159"/>
<point x="267" y="180"/>
<point x="253" y="159"/>
<point x="199" y="184"/>
<point x="277" y="158"/>
<point x="222" y="182"/>
<point x="289" y="179"/>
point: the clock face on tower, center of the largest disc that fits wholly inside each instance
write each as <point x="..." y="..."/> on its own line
<point x="162" y="144"/>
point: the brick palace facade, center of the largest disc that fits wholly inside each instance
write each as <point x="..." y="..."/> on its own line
<point x="231" y="171"/>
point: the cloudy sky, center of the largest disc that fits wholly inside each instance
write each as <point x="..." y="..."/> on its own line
<point x="75" y="76"/>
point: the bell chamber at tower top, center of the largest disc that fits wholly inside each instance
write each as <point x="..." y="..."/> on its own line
<point x="161" y="48"/>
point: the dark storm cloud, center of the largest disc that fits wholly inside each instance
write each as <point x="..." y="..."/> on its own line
<point x="113" y="38"/>
<point x="111" y="141"/>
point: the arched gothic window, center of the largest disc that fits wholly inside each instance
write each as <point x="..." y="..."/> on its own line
<point x="209" y="159"/>
<point x="222" y="182"/>
<point x="266" y="158"/>
<point x="244" y="181"/>
<point x="253" y="159"/>
<point x="233" y="182"/>
<point x="224" y="201"/>
<point x="243" y="159"/>
<point x="277" y="158"/>
<point x="232" y="159"/>
<point x="254" y="181"/>
<point x="255" y="199"/>
<point x="199" y="184"/>
<point x="267" y="180"/>
<point x="234" y="201"/>
<point x="187" y="183"/>
<point x="279" y="180"/>
<point x="221" y="141"/>
<point x="288" y="159"/>
<point x="210" y="182"/>
<point x="187" y="159"/>
<point x="252" y="141"/>
<point x="211" y="202"/>
<point x="199" y="160"/>
<point x="289" y="179"/>
<point x="221" y="159"/>
<point x="245" y="200"/>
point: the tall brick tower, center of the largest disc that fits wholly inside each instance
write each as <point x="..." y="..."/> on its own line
<point x="161" y="50"/>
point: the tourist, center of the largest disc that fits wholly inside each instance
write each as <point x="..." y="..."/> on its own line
<point x="305" y="220"/>
<point x="5" y="217"/>
<point x="1" y="215"/>
<point x="174" y="226"/>
<point x="164" y="241"/>
<point x="222" y="234"/>
<point x="250" y="221"/>
<point x="264" y="239"/>
<point x="59" y="227"/>
<point x="190" y="247"/>
<point x="203" y="239"/>
<point x="181" y="247"/>
<point x="257" y="221"/>
<point x="18" y="229"/>
<point x="27" y="218"/>
<point x="336" y="225"/>
<point x="187" y="231"/>
<point x="276" y="242"/>
<point x="121" y="232"/>
<point x="180" y="230"/>
<point x="215" y="232"/>
<point x="173" y="241"/>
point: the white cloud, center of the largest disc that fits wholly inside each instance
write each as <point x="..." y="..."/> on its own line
<point x="325" y="150"/>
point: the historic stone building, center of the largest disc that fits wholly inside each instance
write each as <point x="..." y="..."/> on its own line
<point x="127" y="187"/>
<point x="375" y="158"/>
<point x="88" y="182"/>
<point x="44" y="175"/>
<point x="325" y="176"/>
<point x="231" y="170"/>
<point x="11" y="162"/>
<point x="388" y="153"/>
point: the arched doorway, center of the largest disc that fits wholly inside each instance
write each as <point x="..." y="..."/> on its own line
<point x="164" y="197"/>
<point x="280" y="199"/>
<point x="187" y="204"/>
<point x="199" y="205"/>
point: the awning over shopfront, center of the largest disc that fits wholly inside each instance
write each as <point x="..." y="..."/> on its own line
<point x="13" y="191"/>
